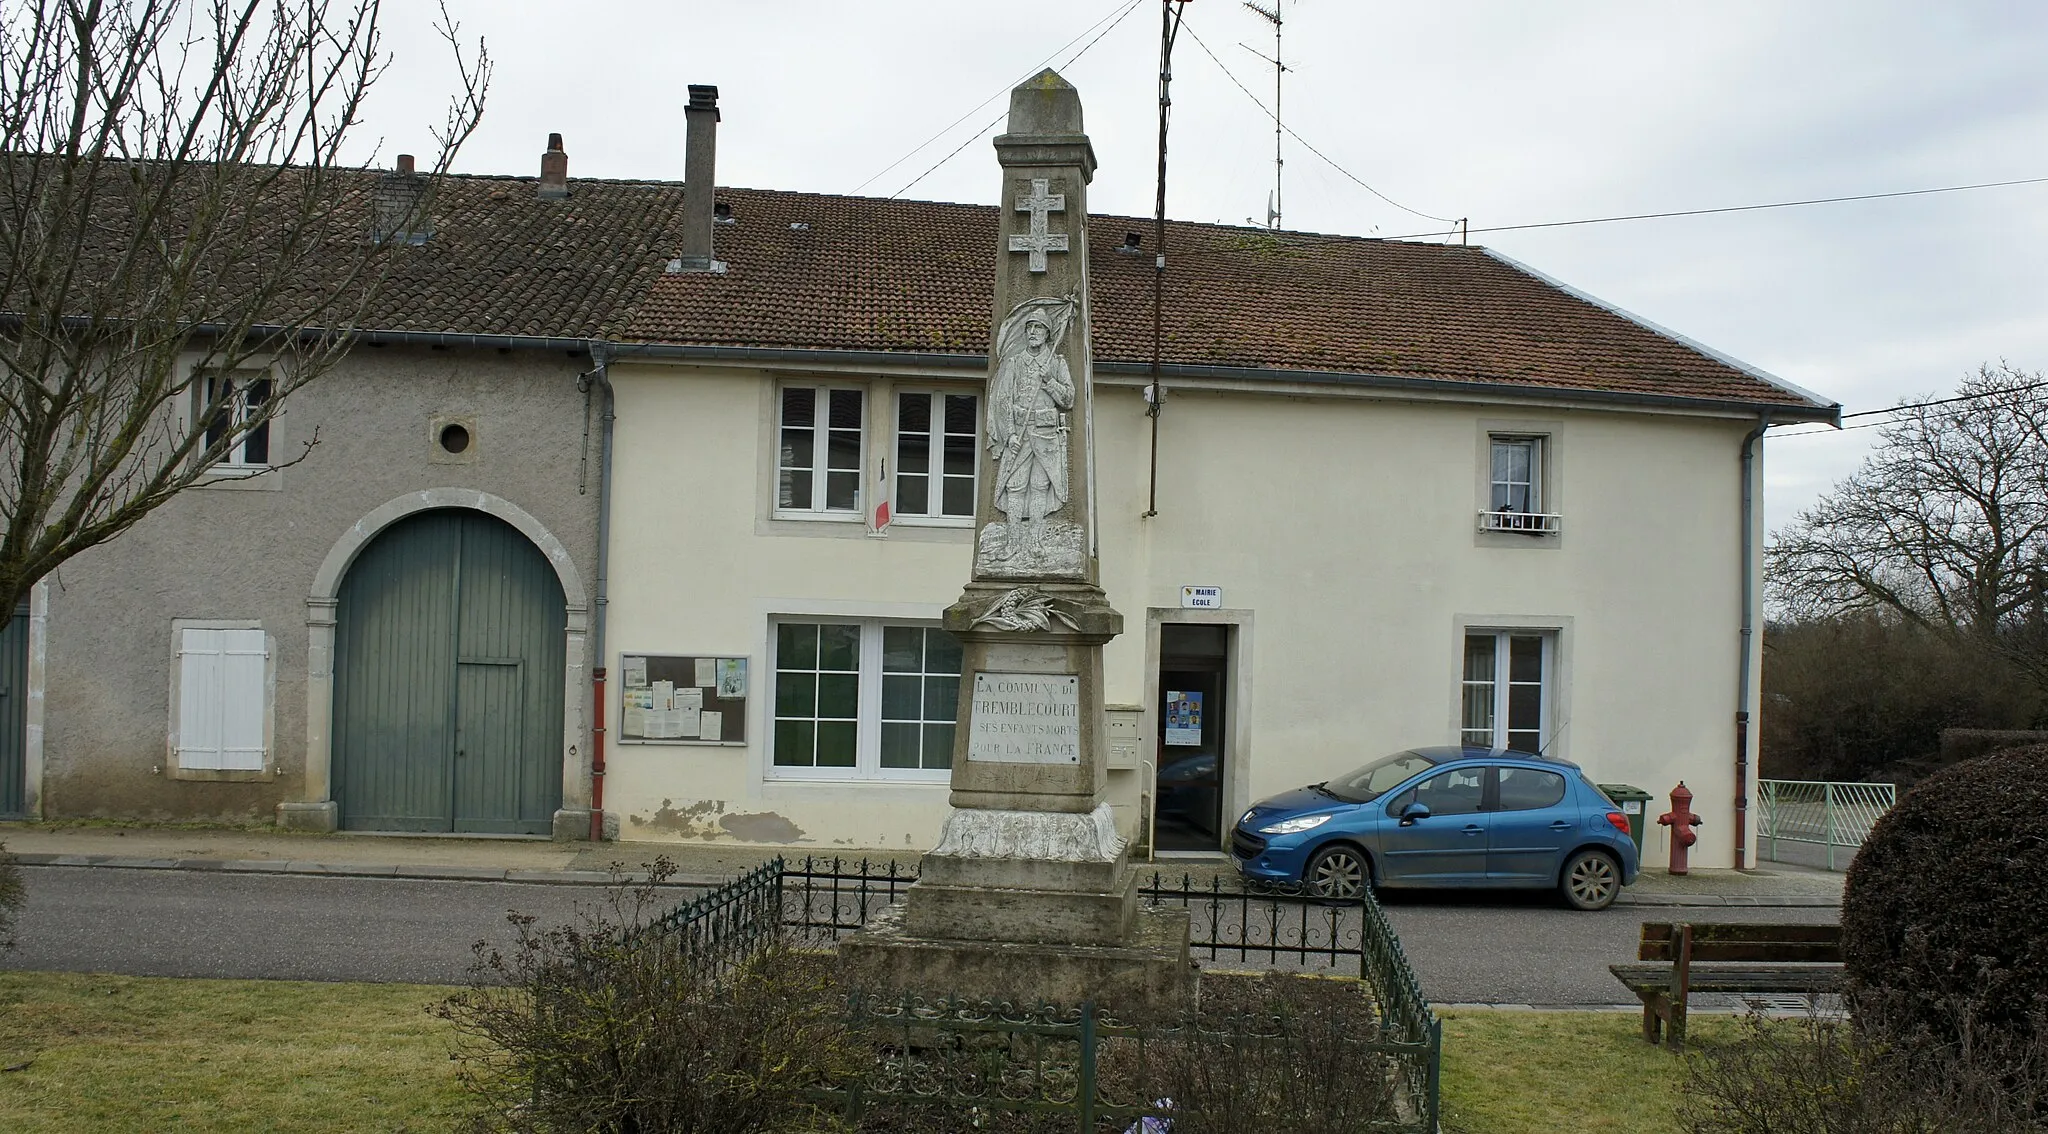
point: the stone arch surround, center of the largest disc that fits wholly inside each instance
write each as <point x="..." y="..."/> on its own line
<point x="317" y="810"/>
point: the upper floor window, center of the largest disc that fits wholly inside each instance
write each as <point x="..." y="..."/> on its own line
<point x="1505" y="701"/>
<point x="231" y="398"/>
<point x="1515" y="491"/>
<point x="821" y="436"/>
<point x="936" y="436"/>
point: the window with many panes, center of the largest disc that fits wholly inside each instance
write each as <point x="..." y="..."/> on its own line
<point x="864" y="698"/>
<point x="228" y="399"/>
<point x="935" y="455"/>
<point x="1517" y="475"/>
<point x="820" y="438"/>
<point x="1506" y="689"/>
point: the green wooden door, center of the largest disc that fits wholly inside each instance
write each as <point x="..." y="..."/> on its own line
<point x="448" y="680"/>
<point x="14" y="716"/>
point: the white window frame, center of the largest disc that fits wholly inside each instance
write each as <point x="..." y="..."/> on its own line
<point x="1547" y="686"/>
<point x="237" y="462"/>
<point x="1541" y="516"/>
<point x="821" y="436"/>
<point x="935" y="461"/>
<point x="176" y="755"/>
<point x="867" y="761"/>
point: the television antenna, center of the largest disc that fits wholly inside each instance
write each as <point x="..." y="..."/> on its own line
<point x="1272" y="14"/>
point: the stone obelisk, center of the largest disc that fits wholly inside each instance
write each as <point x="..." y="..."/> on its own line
<point x="1030" y="895"/>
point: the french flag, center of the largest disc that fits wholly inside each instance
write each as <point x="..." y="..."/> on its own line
<point x="882" y="513"/>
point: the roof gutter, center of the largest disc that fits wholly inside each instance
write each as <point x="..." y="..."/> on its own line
<point x="1783" y="413"/>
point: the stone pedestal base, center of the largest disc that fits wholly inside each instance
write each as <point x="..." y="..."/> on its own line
<point x="322" y="818"/>
<point x="1152" y="973"/>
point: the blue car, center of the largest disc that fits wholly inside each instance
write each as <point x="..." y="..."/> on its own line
<point x="1450" y="816"/>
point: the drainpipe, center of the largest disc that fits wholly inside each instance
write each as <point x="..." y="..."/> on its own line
<point x="600" y="378"/>
<point x="1742" y="681"/>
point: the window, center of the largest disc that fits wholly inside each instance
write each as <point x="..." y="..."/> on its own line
<point x="1515" y="487"/>
<point x="1505" y="696"/>
<point x="818" y="454"/>
<point x="221" y="699"/>
<point x="1456" y="792"/>
<point x="1529" y="789"/>
<point x="936" y="437"/>
<point x="231" y="398"/>
<point x="864" y="699"/>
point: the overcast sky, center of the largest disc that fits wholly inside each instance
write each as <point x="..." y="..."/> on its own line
<point x="1503" y="111"/>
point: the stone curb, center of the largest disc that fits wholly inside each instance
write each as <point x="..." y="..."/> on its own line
<point x="410" y="872"/>
<point x="523" y="876"/>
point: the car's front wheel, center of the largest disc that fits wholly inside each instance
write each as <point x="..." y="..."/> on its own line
<point x="1338" y="871"/>
<point x="1590" y="881"/>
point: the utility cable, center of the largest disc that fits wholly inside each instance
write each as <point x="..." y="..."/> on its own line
<point x="1319" y="241"/>
<point x="1305" y="143"/>
<point x="1889" y="410"/>
<point x="1113" y="18"/>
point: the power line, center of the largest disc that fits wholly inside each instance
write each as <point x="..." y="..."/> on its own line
<point x="977" y="135"/>
<point x="1318" y="241"/>
<point x="1305" y="144"/>
<point x="1912" y="406"/>
<point x="948" y="128"/>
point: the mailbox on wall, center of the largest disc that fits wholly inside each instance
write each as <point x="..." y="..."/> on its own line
<point x="1125" y="736"/>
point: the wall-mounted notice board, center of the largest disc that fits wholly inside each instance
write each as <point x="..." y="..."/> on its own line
<point x="683" y="699"/>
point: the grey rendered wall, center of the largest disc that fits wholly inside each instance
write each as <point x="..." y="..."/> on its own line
<point x="250" y="550"/>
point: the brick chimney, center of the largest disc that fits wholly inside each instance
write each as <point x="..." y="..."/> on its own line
<point x="554" y="171"/>
<point x="700" y="149"/>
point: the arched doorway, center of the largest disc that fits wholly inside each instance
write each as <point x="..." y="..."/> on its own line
<point x="448" y="676"/>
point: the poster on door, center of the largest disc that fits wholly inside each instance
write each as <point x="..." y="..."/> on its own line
<point x="1183" y="719"/>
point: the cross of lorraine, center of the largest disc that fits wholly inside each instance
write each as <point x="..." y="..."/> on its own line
<point x="1040" y="202"/>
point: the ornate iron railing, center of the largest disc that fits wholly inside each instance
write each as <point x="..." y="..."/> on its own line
<point x="1836" y="816"/>
<point x="971" y="1055"/>
<point x="723" y="928"/>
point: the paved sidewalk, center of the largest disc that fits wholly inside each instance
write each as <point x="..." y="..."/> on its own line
<point x="270" y="851"/>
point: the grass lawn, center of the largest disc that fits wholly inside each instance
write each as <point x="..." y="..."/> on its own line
<point x="1540" y="1072"/>
<point x="113" y="1054"/>
<point x="108" y="1053"/>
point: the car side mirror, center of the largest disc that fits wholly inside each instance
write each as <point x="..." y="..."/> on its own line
<point x="1412" y="812"/>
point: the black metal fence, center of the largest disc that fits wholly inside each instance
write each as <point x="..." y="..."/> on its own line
<point x="1049" y="1060"/>
<point x="726" y="926"/>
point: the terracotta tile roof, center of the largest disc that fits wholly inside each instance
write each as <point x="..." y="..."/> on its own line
<point x="817" y="272"/>
<point x="828" y="273"/>
<point x="501" y="261"/>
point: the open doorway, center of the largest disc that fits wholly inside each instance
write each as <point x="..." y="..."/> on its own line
<point x="1189" y="775"/>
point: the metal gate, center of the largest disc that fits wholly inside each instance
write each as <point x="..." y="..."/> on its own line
<point x="14" y="716"/>
<point x="448" y="680"/>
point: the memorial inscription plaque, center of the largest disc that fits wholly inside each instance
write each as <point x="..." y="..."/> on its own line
<point x="1025" y="718"/>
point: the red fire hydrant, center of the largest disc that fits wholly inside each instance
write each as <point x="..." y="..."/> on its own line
<point x="1681" y="820"/>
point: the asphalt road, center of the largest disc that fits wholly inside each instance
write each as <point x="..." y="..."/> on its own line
<point x="1466" y="948"/>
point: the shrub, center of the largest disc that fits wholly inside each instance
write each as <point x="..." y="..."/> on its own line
<point x="1944" y="911"/>
<point x="11" y="896"/>
<point x="1819" y="1076"/>
<point x="590" y="1027"/>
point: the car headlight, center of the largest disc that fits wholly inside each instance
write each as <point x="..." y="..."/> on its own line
<point x="1295" y="826"/>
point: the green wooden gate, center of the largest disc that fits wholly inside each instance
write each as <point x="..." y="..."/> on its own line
<point x="448" y="680"/>
<point x="14" y="716"/>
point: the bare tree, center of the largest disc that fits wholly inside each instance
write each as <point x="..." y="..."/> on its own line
<point x="1945" y="525"/>
<point x="181" y="247"/>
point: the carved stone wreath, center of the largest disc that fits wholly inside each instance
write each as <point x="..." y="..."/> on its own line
<point x="1024" y="608"/>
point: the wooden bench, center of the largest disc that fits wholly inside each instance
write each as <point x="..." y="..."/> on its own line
<point x="1680" y="958"/>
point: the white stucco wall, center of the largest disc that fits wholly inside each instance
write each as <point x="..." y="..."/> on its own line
<point x="1340" y="528"/>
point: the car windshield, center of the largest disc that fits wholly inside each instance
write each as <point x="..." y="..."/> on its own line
<point x="1377" y="778"/>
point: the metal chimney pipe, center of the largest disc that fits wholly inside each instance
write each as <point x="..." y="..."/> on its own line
<point x="699" y="185"/>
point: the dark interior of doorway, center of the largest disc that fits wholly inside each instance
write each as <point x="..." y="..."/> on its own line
<point x="1194" y="664"/>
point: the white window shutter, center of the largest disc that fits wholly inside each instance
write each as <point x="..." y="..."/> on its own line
<point x="201" y="679"/>
<point x="241" y="711"/>
<point x="221" y="699"/>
